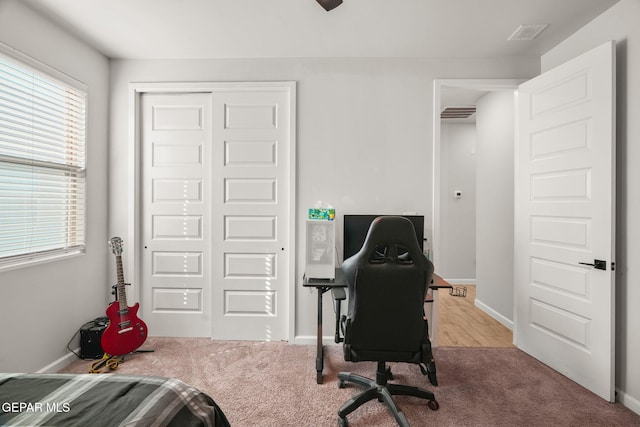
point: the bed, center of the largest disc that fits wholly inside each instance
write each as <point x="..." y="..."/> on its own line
<point x="103" y="400"/>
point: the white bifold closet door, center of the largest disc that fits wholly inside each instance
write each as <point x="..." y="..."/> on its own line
<point x="216" y="213"/>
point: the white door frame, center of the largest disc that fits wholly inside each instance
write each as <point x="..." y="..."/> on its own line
<point x="133" y="237"/>
<point x="489" y="85"/>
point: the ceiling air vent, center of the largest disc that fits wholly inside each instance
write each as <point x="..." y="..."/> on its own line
<point x="457" y="112"/>
<point x="527" y="32"/>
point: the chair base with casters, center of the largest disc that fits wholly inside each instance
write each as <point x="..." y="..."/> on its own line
<point x="380" y="389"/>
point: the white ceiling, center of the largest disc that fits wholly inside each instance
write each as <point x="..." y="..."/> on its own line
<point x="153" y="29"/>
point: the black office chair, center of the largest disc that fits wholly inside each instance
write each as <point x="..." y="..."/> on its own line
<point x="387" y="284"/>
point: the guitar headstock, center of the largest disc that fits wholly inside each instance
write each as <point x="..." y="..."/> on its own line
<point x="116" y="245"/>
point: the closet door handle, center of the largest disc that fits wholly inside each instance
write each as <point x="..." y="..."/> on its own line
<point x="598" y="264"/>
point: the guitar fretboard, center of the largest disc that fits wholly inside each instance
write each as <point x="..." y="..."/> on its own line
<point x="122" y="294"/>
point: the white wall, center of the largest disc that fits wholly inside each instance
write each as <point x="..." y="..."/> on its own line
<point x="357" y="120"/>
<point x="620" y="23"/>
<point x="364" y="135"/>
<point x="44" y="305"/>
<point x="457" y="258"/>
<point x="494" y="207"/>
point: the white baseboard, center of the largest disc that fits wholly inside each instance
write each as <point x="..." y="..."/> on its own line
<point x="312" y="340"/>
<point x="628" y="401"/>
<point x="56" y="365"/>
<point x="494" y="314"/>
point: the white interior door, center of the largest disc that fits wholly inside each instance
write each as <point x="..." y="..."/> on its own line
<point x="251" y="213"/>
<point x="176" y="140"/>
<point x="565" y="201"/>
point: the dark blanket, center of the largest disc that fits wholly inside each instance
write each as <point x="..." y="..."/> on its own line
<point x="103" y="400"/>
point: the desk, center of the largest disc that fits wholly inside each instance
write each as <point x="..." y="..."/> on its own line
<point x="432" y="307"/>
<point x="323" y="285"/>
<point x="337" y="287"/>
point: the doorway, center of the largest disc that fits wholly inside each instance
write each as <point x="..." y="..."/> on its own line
<point x="464" y="228"/>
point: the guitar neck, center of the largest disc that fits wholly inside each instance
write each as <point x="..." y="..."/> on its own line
<point x="122" y="293"/>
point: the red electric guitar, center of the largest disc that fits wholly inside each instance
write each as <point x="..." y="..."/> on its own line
<point x="126" y="331"/>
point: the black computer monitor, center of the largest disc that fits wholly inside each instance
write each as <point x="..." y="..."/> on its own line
<point x="357" y="226"/>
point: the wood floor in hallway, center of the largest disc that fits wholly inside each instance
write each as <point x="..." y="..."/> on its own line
<point x="462" y="324"/>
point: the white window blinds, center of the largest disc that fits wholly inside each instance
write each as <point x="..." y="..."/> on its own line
<point x="42" y="164"/>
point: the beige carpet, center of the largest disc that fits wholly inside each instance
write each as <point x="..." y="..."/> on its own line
<point x="274" y="384"/>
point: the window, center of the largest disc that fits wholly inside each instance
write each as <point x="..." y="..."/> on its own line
<point x="42" y="162"/>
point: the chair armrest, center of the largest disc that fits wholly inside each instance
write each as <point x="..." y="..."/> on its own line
<point x="338" y="294"/>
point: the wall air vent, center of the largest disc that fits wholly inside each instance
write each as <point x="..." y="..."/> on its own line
<point x="458" y="112"/>
<point x="527" y="32"/>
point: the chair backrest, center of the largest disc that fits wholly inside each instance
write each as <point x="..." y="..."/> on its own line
<point x="387" y="281"/>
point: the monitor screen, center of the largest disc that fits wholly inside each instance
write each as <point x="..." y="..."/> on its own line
<point x="357" y="226"/>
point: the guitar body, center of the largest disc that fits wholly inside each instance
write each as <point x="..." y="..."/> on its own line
<point x="126" y="331"/>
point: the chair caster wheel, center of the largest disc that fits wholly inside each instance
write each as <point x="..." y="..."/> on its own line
<point x="433" y="405"/>
<point x="340" y="384"/>
<point x="342" y="422"/>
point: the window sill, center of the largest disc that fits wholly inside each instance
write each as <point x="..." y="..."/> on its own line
<point x="34" y="260"/>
